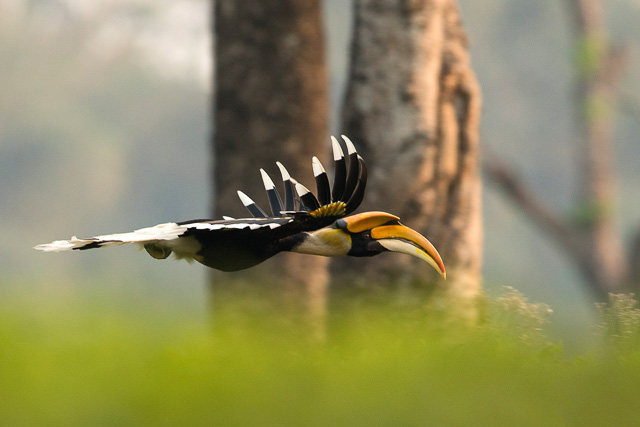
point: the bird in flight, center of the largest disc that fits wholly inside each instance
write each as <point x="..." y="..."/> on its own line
<point x="302" y="222"/>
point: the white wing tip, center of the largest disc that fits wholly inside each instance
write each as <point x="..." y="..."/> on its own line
<point x="283" y="171"/>
<point x="350" y="147"/>
<point x="266" y="179"/>
<point x="337" y="150"/>
<point x="49" y="247"/>
<point x="246" y="200"/>
<point x="301" y="189"/>
<point x="62" y="245"/>
<point x="318" y="169"/>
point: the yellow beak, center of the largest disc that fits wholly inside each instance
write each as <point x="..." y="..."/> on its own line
<point x="398" y="238"/>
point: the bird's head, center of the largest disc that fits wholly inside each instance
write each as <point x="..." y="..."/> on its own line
<point x="368" y="234"/>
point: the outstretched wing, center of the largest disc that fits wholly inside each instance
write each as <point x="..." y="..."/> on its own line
<point x="311" y="212"/>
<point x="233" y="244"/>
<point x="228" y="244"/>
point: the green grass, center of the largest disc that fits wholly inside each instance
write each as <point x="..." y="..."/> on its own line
<point x="98" y="357"/>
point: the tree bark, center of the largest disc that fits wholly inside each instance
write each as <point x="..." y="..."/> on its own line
<point x="413" y="107"/>
<point x="271" y="104"/>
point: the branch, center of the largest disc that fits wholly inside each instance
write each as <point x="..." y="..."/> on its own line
<point x="538" y="211"/>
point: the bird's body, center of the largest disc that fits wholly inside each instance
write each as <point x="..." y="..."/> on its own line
<point x="240" y="243"/>
<point x="304" y="224"/>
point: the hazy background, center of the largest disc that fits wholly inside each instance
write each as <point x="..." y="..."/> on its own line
<point x="104" y="127"/>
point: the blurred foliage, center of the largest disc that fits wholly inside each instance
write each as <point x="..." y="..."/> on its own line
<point x="586" y="214"/>
<point x="598" y="107"/>
<point x="620" y="322"/>
<point x="590" y="53"/>
<point x="525" y="320"/>
<point x="99" y="357"/>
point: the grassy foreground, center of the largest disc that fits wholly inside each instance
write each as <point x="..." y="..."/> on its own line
<point x="89" y="358"/>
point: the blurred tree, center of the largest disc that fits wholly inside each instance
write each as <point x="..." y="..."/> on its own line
<point x="599" y="67"/>
<point x="77" y="104"/>
<point x="590" y="237"/>
<point x="413" y="105"/>
<point x="271" y="103"/>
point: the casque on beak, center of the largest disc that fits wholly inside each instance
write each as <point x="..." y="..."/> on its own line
<point x="390" y="234"/>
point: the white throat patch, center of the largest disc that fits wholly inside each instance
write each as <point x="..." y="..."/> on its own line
<point x="325" y="242"/>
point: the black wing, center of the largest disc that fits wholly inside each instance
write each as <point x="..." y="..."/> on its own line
<point x="227" y="245"/>
<point x="231" y="244"/>
<point x="330" y="203"/>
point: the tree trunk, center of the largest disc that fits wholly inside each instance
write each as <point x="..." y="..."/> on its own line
<point x="271" y="103"/>
<point x="599" y="68"/>
<point x="591" y="239"/>
<point x="413" y="108"/>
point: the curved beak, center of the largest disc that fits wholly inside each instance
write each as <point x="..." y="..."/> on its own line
<point x="398" y="238"/>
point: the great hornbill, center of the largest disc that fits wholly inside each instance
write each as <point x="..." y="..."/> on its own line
<point x="304" y="223"/>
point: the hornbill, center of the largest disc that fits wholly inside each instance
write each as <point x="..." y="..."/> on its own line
<point x="303" y="223"/>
